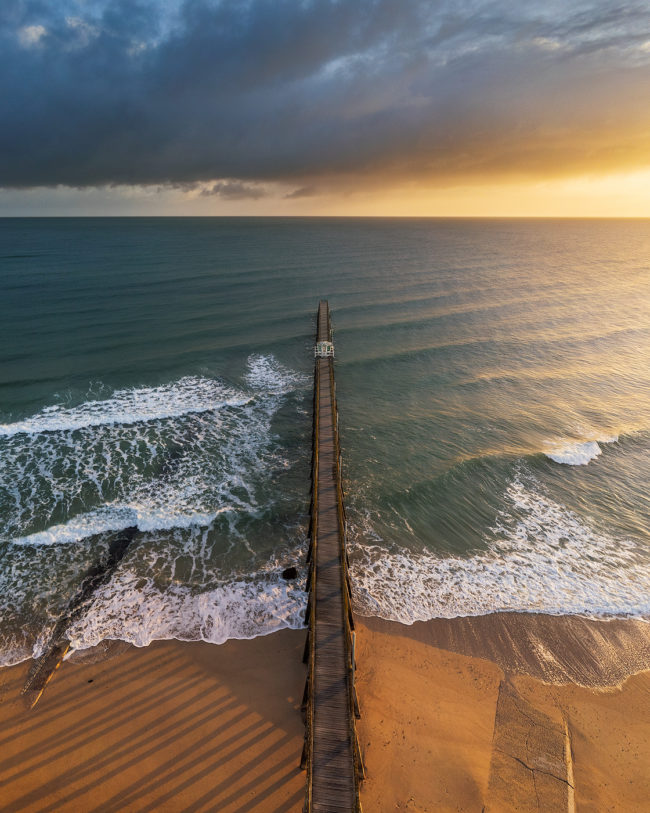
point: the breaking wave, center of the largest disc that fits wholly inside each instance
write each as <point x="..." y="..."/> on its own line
<point x="130" y="406"/>
<point x="116" y="518"/>
<point x="192" y="465"/>
<point x="538" y="557"/>
<point x="576" y="453"/>
<point x="140" y="612"/>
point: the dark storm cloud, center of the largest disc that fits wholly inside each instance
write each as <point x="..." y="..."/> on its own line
<point x="234" y="190"/>
<point x="133" y="92"/>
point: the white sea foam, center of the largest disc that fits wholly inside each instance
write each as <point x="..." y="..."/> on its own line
<point x="191" y="476"/>
<point x="117" y="518"/>
<point x="130" y="610"/>
<point x="185" y="396"/>
<point x="576" y="453"/>
<point x="268" y="374"/>
<point x="157" y="458"/>
<point x="540" y="557"/>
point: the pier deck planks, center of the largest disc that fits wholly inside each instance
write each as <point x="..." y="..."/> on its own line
<point x="333" y="776"/>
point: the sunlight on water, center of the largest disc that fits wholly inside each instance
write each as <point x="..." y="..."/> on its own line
<point x="493" y="381"/>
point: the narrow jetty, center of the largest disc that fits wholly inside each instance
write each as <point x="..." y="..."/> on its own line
<point x="44" y="667"/>
<point x="331" y="752"/>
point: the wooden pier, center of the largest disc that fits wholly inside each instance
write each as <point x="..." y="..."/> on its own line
<point x="331" y="753"/>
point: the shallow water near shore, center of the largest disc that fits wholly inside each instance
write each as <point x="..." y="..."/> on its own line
<point x="493" y="381"/>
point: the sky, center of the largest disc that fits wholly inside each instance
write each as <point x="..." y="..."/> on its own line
<point x="325" y="107"/>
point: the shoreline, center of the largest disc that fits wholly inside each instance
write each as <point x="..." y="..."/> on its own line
<point x="634" y="630"/>
<point x="556" y="649"/>
<point x="445" y="705"/>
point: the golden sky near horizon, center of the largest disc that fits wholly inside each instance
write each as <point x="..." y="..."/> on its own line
<point x="610" y="195"/>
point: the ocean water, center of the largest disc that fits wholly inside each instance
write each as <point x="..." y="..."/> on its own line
<point x="493" y="379"/>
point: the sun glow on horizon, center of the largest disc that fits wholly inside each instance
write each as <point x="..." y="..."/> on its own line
<point x="614" y="195"/>
<point x="624" y="194"/>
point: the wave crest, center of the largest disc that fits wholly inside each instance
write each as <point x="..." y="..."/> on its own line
<point x="576" y="453"/>
<point x="139" y="613"/>
<point x="130" y="406"/>
<point x="190" y="465"/>
<point x="540" y="557"/>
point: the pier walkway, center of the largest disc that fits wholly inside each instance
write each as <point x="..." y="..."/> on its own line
<point x="331" y="753"/>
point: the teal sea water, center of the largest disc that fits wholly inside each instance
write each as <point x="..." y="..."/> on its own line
<point x="493" y="379"/>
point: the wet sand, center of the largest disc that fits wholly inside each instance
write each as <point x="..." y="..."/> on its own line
<point x="505" y="712"/>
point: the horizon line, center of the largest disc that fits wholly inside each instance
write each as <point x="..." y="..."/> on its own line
<point x="321" y="217"/>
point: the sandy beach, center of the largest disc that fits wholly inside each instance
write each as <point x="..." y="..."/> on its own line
<point x="173" y="726"/>
<point x="509" y="712"/>
<point x="504" y="712"/>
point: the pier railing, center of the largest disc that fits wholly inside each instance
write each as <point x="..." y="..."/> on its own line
<point x="346" y="588"/>
<point x="309" y="653"/>
<point x="348" y="799"/>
